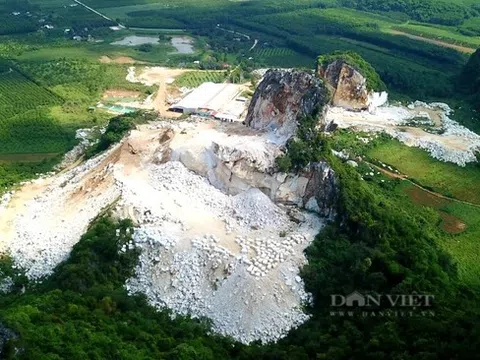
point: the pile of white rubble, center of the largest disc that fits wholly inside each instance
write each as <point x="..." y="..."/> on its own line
<point x="452" y="142"/>
<point x="232" y="259"/>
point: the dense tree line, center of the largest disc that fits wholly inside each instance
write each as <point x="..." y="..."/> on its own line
<point x="11" y="24"/>
<point x="432" y="11"/>
<point x="469" y="80"/>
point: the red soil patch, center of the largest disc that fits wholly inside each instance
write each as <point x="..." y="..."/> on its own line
<point x="452" y="224"/>
<point x="424" y="198"/>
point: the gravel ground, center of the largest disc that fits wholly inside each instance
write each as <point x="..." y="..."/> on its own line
<point x="452" y="142"/>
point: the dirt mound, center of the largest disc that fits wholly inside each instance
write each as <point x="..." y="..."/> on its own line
<point x="118" y="60"/>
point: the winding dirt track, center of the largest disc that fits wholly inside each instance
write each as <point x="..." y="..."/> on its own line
<point x="405" y="177"/>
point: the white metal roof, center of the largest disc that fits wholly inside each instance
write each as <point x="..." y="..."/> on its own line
<point x="209" y="96"/>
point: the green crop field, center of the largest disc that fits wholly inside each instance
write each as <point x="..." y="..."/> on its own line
<point x="25" y="125"/>
<point x="41" y="116"/>
<point x="194" y="79"/>
<point x="34" y="131"/>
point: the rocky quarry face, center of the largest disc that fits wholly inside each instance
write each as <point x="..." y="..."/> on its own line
<point x="283" y="98"/>
<point x="235" y="163"/>
<point x="350" y="88"/>
<point x="221" y="233"/>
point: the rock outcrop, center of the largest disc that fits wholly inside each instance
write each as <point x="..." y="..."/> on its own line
<point x="282" y="98"/>
<point x="350" y="87"/>
<point x="235" y="164"/>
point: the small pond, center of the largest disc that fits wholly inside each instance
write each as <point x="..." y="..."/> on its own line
<point x="183" y="44"/>
<point x="135" y="40"/>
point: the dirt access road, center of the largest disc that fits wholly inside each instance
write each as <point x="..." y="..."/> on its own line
<point x="161" y="77"/>
<point x="463" y="49"/>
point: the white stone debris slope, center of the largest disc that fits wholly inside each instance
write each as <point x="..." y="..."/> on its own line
<point x="233" y="258"/>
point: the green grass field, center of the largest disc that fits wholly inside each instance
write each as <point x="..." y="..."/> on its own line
<point x="459" y="182"/>
<point x="460" y="227"/>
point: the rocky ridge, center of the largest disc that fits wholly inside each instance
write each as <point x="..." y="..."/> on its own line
<point x="234" y="165"/>
<point x="349" y="87"/>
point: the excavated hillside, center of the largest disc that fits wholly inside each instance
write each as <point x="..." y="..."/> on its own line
<point x="221" y="232"/>
<point x="220" y="229"/>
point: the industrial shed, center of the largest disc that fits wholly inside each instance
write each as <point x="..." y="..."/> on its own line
<point x="210" y="99"/>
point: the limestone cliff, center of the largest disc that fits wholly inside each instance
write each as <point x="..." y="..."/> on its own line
<point x="235" y="163"/>
<point x="283" y="98"/>
<point x="354" y="82"/>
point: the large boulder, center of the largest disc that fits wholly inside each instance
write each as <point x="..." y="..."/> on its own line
<point x="283" y="98"/>
<point x="354" y="83"/>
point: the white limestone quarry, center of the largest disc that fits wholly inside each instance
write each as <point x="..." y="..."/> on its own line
<point x="222" y="251"/>
<point x="443" y="138"/>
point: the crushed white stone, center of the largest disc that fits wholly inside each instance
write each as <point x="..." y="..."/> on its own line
<point x="243" y="275"/>
<point x="454" y="143"/>
<point x="232" y="259"/>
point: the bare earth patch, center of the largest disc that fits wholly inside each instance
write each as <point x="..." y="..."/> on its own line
<point x="120" y="93"/>
<point x="450" y="223"/>
<point x="161" y="77"/>
<point x="460" y="48"/>
<point x="118" y="60"/>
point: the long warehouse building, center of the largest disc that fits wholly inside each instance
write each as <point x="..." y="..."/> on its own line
<point x="221" y="101"/>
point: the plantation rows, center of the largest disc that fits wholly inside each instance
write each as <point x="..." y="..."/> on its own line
<point x="18" y="94"/>
<point x="34" y="132"/>
<point x="196" y="78"/>
<point x="282" y="57"/>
